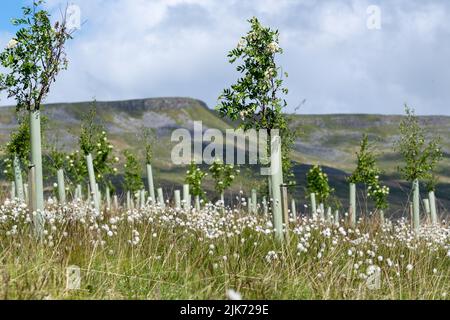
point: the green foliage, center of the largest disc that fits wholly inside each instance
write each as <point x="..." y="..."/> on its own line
<point x="148" y="137"/>
<point x="132" y="176"/>
<point x="19" y="145"/>
<point x="420" y="156"/>
<point x="77" y="168"/>
<point x="223" y="175"/>
<point x="20" y="142"/>
<point x="34" y="57"/>
<point x="368" y="173"/>
<point x="317" y="183"/>
<point x="254" y="99"/>
<point x="90" y="131"/>
<point x="194" y="177"/>
<point x="94" y="140"/>
<point x="57" y="159"/>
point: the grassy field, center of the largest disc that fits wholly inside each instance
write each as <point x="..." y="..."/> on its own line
<point x="155" y="253"/>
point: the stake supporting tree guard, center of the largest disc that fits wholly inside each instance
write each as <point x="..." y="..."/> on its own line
<point x="433" y="211"/>
<point x="284" y="200"/>
<point x="249" y="205"/>
<point x="186" y="199"/>
<point x="92" y="182"/>
<point x="352" y="208"/>
<point x="276" y="182"/>
<point x="18" y="178"/>
<point x="151" y="187"/>
<point x="177" y="196"/>
<point x="161" y="198"/>
<point x="36" y="159"/>
<point x="313" y="205"/>
<point x="254" y="202"/>
<point x="61" y="187"/>
<point x="416" y="205"/>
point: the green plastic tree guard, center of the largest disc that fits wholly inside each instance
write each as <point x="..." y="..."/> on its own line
<point x="265" y="206"/>
<point x="352" y="207"/>
<point x="177" y="196"/>
<point x="416" y="205"/>
<point x="186" y="200"/>
<point x="25" y="192"/>
<point x="36" y="160"/>
<point x="108" y="198"/>
<point x="161" y="198"/>
<point x="254" y="202"/>
<point x="313" y="205"/>
<point x="13" y="190"/>
<point x="151" y="187"/>
<point x="92" y="183"/>
<point x="197" y="203"/>
<point x="433" y="211"/>
<point x="293" y="208"/>
<point x="276" y="183"/>
<point x="61" y="187"/>
<point x="18" y="179"/>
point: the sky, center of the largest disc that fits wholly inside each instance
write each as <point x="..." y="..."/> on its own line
<point x="337" y="61"/>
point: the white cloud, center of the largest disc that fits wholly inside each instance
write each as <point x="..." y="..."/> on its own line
<point x="145" y="48"/>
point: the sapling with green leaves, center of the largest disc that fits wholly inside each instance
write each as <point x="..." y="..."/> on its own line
<point x="368" y="173"/>
<point x="57" y="160"/>
<point x="255" y="100"/>
<point x="132" y="174"/>
<point x="33" y="59"/>
<point x="17" y="152"/>
<point x="97" y="150"/>
<point x="420" y="156"/>
<point x="317" y="184"/>
<point x="194" y="178"/>
<point x="223" y="175"/>
<point x="148" y="138"/>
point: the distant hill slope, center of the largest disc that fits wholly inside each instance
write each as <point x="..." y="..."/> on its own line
<point x="330" y="140"/>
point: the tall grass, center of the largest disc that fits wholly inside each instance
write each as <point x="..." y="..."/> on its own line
<point x="168" y="254"/>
